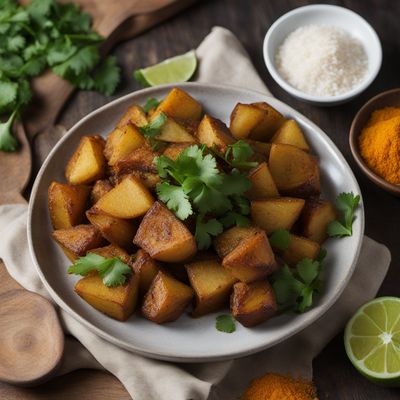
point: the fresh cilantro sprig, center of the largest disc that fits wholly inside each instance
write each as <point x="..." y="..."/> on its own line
<point x="112" y="270"/>
<point x="238" y="155"/>
<point x="150" y="104"/>
<point x="153" y="128"/>
<point x="225" y="323"/>
<point x="280" y="239"/>
<point x="346" y="203"/>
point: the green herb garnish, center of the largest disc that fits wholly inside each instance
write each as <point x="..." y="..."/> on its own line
<point x="153" y="128"/>
<point x="225" y="323"/>
<point x="280" y="239"/>
<point x="150" y="104"/>
<point x="238" y="155"/>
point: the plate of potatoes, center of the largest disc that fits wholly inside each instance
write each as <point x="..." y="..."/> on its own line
<point x="146" y="275"/>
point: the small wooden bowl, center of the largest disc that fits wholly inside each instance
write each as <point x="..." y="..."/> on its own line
<point x="390" y="98"/>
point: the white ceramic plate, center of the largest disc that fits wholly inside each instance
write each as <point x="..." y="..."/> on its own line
<point x="187" y="339"/>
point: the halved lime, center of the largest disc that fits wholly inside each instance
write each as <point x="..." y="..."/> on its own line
<point x="173" y="70"/>
<point x="372" y="340"/>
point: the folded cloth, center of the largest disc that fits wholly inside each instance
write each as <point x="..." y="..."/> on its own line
<point x="223" y="60"/>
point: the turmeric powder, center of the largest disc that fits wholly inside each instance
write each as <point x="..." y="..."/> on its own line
<point x="280" y="387"/>
<point x="379" y="143"/>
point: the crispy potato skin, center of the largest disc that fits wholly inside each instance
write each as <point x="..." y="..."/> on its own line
<point x="134" y="115"/>
<point x="67" y="204"/>
<point x="140" y="159"/>
<point x="112" y="250"/>
<point x="179" y="104"/>
<point x="166" y="299"/>
<point x="99" y="189"/>
<point x="174" y="149"/>
<point x="214" y="133"/>
<point x="299" y="249"/>
<point x="272" y="120"/>
<point x="262" y="183"/>
<point x="146" y="268"/>
<point x="164" y="236"/>
<point x="253" y="303"/>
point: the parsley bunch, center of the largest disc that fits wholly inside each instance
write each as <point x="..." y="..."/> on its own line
<point x="194" y="185"/>
<point x="41" y="35"/>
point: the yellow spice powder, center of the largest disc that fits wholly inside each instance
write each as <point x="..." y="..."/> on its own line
<point x="379" y="143"/>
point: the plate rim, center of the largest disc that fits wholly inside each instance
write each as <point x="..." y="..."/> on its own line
<point x="166" y="355"/>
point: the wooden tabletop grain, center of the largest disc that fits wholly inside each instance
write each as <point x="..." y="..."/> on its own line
<point x="249" y="20"/>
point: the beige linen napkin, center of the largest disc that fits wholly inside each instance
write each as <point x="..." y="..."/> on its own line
<point x="222" y="60"/>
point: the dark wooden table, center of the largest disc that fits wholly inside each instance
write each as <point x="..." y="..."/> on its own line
<point x="249" y="20"/>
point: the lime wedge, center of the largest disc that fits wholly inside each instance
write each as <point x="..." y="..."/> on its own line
<point x="173" y="70"/>
<point x="372" y="340"/>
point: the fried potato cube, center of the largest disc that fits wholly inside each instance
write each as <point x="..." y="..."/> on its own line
<point x="121" y="141"/>
<point x="67" y="204"/>
<point x="212" y="284"/>
<point x="116" y="230"/>
<point x="316" y="216"/>
<point x="112" y="250"/>
<point x="291" y="133"/>
<point x="134" y="115"/>
<point x="253" y="303"/>
<point x="140" y="159"/>
<point x="295" y="172"/>
<point x="213" y="133"/>
<point x="172" y="131"/>
<point x="262" y="183"/>
<point x="78" y="240"/>
<point x="117" y="302"/>
<point x="129" y="199"/>
<point x="87" y="164"/>
<point x="276" y="213"/>
<point x="252" y="259"/>
<point x="166" y="299"/>
<point x="146" y="268"/>
<point x="99" y="189"/>
<point x="259" y="147"/>
<point x="179" y="104"/>
<point x="273" y="119"/>
<point x="164" y="236"/>
<point x="174" y="149"/>
<point x="300" y="248"/>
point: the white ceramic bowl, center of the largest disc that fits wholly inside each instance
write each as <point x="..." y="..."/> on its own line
<point x="188" y="339"/>
<point x="322" y="14"/>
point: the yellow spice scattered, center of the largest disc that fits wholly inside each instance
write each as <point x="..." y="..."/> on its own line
<point x="280" y="387"/>
<point x="379" y="143"/>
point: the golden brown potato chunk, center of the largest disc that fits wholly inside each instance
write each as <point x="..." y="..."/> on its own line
<point x="117" y="302"/>
<point x="276" y="213"/>
<point x="112" y="250"/>
<point x="173" y="131"/>
<point x="295" y="172"/>
<point x="212" y="284"/>
<point x="164" y="236"/>
<point x="174" y="149"/>
<point x="262" y="184"/>
<point x="179" y="104"/>
<point x="253" y="303"/>
<point x="87" y="164"/>
<point x="252" y="259"/>
<point x="273" y="119"/>
<point x="134" y="115"/>
<point x="166" y="299"/>
<point x="146" y="268"/>
<point x="259" y="147"/>
<point x="122" y="141"/>
<point x="300" y="248"/>
<point x="67" y="204"/>
<point x="129" y="199"/>
<point x="291" y="133"/>
<point x="213" y="133"/>
<point x="78" y="240"/>
<point x="317" y="215"/>
<point x="99" y="189"/>
<point x="140" y="159"/>
<point x="116" y="230"/>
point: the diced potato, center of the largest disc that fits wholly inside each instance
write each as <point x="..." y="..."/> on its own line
<point x="129" y="199"/>
<point x="317" y="215"/>
<point x="260" y="147"/>
<point x="87" y="164"/>
<point x="100" y="188"/>
<point x="174" y="149"/>
<point x="117" y="302"/>
<point x="300" y="248"/>
<point x="262" y="184"/>
<point x="164" y="236"/>
<point x="244" y="118"/>
<point x="276" y="213"/>
<point x="134" y="115"/>
<point x="273" y="119"/>
<point x="78" y="240"/>
<point x="226" y="241"/>
<point x="213" y="133"/>
<point x="253" y="303"/>
<point x="173" y="132"/>
<point x="291" y="133"/>
<point x="252" y="259"/>
<point x="67" y="204"/>
<point x="122" y="141"/>
<point x="179" y="104"/>
<point x="212" y="284"/>
<point x="295" y="172"/>
<point x="112" y="250"/>
<point x="166" y="299"/>
<point x="146" y="268"/>
<point x="141" y="159"/>
<point x="148" y="179"/>
<point x="116" y="230"/>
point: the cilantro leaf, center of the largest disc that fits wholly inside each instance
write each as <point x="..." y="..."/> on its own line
<point x="225" y="323"/>
<point x="238" y="155"/>
<point x="115" y="274"/>
<point x="280" y="239"/>
<point x="8" y="142"/>
<point x="153" y="128"/>
<point x="204" y="231"/>
<point x="107" y="76"/>
<point x="151" y="103"/>
<point x="308" y="270"/>
<point x="8" y="94"/>
<point x="175" y="199"/>
<point x="232" y="218"/>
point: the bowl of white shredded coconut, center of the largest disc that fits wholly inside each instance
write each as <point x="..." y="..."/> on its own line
<point x="322" y="54"/>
